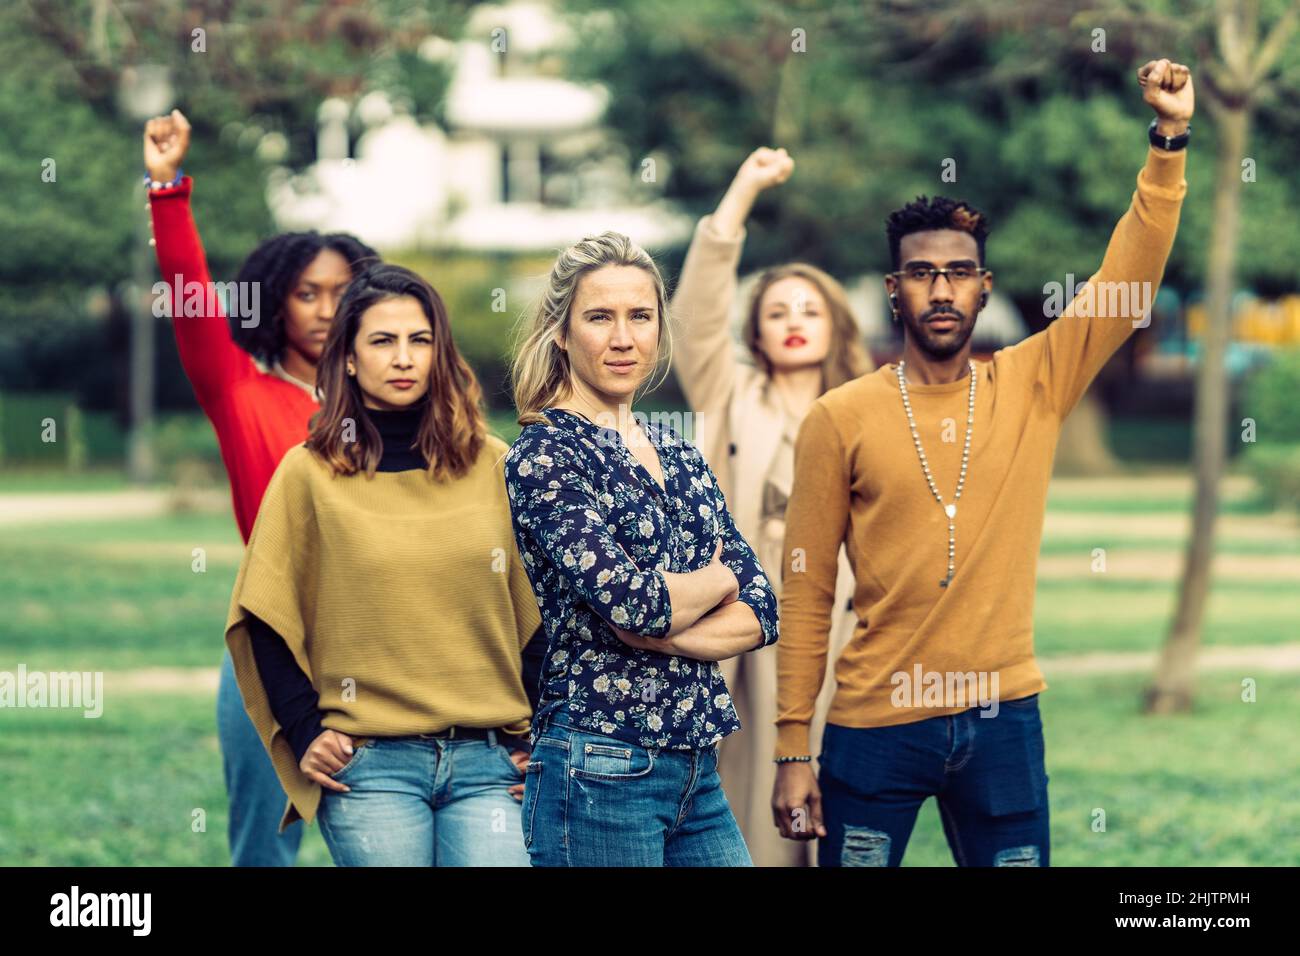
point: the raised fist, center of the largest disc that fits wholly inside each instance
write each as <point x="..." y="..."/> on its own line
<point x="166" y="139"/>
<point x="1168" y="88"/>
<point x="765" y="167"/>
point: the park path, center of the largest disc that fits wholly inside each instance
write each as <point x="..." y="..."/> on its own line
<point x="1246" y="659"/>
<point x="47" y="507"/>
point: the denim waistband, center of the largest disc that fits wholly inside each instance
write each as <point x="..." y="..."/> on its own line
<point x="558" y="719"/>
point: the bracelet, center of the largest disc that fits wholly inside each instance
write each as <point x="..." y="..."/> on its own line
<point x="153" y="184"/>
<point x="1168" y="143"/>
<point x="807" y="759"/>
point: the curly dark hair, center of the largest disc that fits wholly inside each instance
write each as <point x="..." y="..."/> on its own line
<point x="275" y="265"/>
<point x="937" y="213"/>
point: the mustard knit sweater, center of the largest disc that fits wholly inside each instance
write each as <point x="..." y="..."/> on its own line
<point x="403" y="600"/>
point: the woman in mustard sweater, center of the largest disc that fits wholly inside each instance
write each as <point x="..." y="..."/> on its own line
<point x="381" y="614"/>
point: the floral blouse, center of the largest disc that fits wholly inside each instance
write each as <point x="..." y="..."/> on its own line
<point x="595" y="531"/>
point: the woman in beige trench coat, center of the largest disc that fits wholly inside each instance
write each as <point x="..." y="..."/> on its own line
<point x="803" y="341"/>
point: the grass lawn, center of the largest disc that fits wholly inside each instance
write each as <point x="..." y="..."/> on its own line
<point x="1215" y="787"/>
<point x="121" y="789"/>
<point x="111" y="595"/>
<point x="1097" y="613"/>
<point x="44" y="480"/>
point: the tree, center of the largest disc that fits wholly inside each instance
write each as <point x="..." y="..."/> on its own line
<point x="241" y="70"/>
<point x="1032" y="103"/>
<point x="1040" y="126"/>
<point x="1240" y="69"/>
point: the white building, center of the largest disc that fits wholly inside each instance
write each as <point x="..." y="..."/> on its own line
<point x="525" y="165"/>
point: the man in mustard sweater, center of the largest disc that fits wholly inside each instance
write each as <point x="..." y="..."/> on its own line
<point x="933" y="472"/>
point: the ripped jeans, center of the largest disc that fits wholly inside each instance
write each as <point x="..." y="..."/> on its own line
<point x="987" y="774"/>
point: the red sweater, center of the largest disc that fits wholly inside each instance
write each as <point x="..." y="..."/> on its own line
<point x="258" y="417"/>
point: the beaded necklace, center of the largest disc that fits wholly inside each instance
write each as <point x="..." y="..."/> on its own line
<point x="949" y="509"/>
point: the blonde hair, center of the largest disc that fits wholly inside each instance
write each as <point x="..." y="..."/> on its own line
<point x="846" y="358"/>
<point x="540" y="374"/>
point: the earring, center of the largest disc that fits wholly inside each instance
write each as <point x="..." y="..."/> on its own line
<point x="351" y="370"/>
<point x="984" y="299"/>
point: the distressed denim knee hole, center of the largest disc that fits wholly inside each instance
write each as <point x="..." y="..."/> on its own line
<point x="864" y="847"/>
<point x="1017" y="856"/>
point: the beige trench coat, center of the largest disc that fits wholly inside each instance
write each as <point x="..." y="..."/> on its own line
<point x="737" y="425"/>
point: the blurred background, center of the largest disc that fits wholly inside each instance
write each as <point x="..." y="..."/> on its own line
<point x="472" y="141"/>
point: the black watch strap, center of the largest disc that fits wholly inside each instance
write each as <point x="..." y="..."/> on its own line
<point x="1169" y="143"/>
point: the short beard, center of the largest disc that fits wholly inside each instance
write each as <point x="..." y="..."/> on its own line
<point x="921" y="337"/>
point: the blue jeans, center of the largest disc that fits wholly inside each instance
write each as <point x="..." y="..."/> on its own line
<point x="987" y="774"/>
<point x="425" y="801"/>
<point x="593" y="800"/>
<point x="257" y="800"/>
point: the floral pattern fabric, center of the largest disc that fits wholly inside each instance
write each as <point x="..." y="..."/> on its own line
<point x="595" y="532"/>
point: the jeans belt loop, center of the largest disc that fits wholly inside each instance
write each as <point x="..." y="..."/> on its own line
<point x="492" y="738"/>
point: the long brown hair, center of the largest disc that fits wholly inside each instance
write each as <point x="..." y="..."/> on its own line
<point x="847" y="357"/>
<point x="452" y="429"/>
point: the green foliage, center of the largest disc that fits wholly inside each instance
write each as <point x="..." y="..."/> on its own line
<point x="69" y="246"/>
<point x="1273" y="399"/>
<point x="1276" y="470"/>
<point x="1273" y="402"/>
<point x="1047" y="136"/>
<point x="187" y="440"/>
<point x="23" y="418"/>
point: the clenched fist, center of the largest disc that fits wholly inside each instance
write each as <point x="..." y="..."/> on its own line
<point x="765" y="168"/>
<point x="166" y="139"/>
<point x="1168" y="88"/>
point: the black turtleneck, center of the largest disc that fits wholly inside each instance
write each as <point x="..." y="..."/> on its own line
<point x="397" y="431"/>
<point x="294" y="702"/>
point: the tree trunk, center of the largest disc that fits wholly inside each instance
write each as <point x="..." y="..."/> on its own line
<point x="1176" y="673"/>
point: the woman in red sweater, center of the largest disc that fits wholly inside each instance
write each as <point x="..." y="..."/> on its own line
<point x="254" y="377"/>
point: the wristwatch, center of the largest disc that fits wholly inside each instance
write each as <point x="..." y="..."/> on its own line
<point x="1170" y="143"/>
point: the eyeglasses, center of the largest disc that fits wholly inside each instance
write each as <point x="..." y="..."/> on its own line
<point x="958" y="275"/>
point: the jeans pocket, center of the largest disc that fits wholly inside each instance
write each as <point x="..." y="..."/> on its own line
<point x="358" y="753"/>
<point x="504" y="753"/>
<point x="1020" y="783"/>
<point x="842" y="755"/>
<point x="594" y="757"/>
